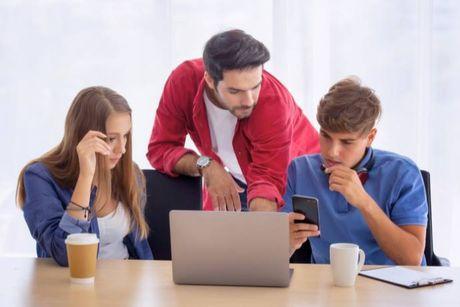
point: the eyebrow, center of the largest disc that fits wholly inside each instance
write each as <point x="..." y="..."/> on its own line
<point x="321" y="131"/>
<point x="242" y="90"/>
<point x="116" y="133"/>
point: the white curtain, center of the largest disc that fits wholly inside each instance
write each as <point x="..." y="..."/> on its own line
<point x="408" y="51"/>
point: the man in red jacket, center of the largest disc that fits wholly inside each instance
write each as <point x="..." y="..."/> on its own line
<point x="243" y="121"/>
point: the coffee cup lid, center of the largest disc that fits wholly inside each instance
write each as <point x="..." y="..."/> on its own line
<point x="82" y="238"/>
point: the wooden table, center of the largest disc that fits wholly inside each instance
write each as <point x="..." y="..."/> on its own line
<point x="40" y="282"/>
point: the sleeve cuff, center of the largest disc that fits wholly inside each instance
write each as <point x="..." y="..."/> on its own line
<point x="173" y="156"/>
<point x="266" y="191"/>
<point x="72" y="225"/>
<point x="410" y="221"/>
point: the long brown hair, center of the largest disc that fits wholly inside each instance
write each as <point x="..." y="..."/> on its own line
<point x="89" y="111"/>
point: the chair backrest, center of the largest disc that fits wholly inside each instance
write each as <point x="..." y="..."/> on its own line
<point x="166" y="193"/>
<point x="303" y="254"/>
<point x="431" y="258"/>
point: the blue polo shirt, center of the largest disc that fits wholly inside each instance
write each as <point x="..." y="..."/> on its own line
<point x="394" y="182"/>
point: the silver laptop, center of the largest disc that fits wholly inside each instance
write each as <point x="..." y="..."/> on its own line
<point x="230" y="248"/>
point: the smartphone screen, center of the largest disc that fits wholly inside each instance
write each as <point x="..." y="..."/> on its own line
<point x="307" y="206"/>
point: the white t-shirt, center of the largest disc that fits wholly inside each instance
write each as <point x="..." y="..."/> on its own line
<point x="112" y="229"/>
<point x="222" y="126"/>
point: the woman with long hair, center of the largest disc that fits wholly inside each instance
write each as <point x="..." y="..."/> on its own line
<point x="88" y="183"/>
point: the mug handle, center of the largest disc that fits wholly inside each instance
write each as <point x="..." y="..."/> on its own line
<point x="362" y="258"/>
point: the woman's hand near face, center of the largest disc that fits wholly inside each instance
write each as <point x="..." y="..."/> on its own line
<point x="87" y="148"/>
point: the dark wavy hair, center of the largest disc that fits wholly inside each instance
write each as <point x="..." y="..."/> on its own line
<point x="233" y="49"/>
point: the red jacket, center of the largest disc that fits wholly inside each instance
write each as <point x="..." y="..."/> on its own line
<point x="264" y="143"/>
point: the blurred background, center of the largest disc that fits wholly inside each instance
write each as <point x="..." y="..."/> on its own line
<point x="408" y="51"/>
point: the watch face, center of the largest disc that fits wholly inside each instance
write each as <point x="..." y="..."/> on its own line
<point x="203" y="161"/>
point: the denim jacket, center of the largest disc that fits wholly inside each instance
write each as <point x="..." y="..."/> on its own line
<point x="49" y="223"/>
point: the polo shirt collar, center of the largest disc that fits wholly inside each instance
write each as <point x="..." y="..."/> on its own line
<point x="365" y="160"/>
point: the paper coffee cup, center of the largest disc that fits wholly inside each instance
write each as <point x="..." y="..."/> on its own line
<point x="82" y="257"/>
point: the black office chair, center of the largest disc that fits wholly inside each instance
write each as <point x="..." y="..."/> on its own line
<point x="430" y="256"/>
<point x="303" y="254"/>
<point x="165" y="193"/>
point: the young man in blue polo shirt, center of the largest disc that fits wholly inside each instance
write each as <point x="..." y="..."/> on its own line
<point x="369" y="197"/>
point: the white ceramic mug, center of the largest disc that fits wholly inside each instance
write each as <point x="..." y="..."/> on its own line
<point x="346" y="261"/>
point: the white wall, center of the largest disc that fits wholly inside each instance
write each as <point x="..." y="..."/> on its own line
<point x="408" y="51"/>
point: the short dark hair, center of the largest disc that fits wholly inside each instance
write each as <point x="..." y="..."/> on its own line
<point x="349" y="107"/>
<point x="233" y="49"/>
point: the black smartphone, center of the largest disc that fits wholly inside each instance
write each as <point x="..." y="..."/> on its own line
<point x="307" y="206"/>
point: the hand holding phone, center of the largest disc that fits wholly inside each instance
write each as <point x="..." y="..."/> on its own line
<point x="308" y="206"/>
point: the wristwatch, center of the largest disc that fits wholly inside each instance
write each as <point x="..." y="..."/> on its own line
<point x="203" y="162"/>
